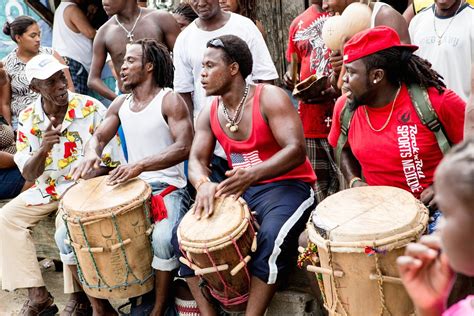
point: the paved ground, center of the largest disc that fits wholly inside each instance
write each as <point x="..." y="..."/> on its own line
<point x="285" y="303"/>
<point x="11" y="302"/>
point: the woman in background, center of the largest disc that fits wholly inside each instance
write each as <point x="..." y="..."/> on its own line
<point x="16" y="94"/>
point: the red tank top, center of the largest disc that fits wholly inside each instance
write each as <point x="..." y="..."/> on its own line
<point x="258" y="147"/>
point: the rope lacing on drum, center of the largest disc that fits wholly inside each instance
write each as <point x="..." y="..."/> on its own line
<point x="79" y="269"/>
<point x="335" y="283"/>
<point x="240" y="298"/>
<point x="380" y="285"/>
<point x="101" y="283"/>
<point x="122" y="248"/>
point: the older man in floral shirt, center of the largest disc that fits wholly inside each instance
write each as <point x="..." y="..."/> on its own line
<point x="52" y="134"/>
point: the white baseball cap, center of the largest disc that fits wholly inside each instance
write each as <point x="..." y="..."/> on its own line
<point x="42" y="67"/>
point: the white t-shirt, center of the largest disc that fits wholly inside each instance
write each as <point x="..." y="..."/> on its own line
<point x="453" y="57"/>
<point x="189" y="51"/>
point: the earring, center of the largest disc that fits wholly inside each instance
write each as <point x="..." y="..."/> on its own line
<point x="375" y="81"/>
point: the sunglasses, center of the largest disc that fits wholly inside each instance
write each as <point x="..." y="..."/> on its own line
<point x="217" y="43"/>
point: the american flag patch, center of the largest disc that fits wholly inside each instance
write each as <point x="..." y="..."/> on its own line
<point x="246" y="160"/>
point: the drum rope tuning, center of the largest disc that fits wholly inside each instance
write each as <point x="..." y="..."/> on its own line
<point x="219" y="258"/>
<point x="100" y="277"/>
<point x="340" y="241"/>
<point x="241" y="298"/>
<point x="334" y="285"/>
<point x="380" y="285"/>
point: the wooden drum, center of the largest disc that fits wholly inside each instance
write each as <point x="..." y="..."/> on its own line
<point x="217" y="248"/>
<point x="359" y="234"/>
<point x="109" y="229"/>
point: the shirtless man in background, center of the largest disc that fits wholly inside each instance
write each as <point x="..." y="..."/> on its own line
<point x="128" y="23"/>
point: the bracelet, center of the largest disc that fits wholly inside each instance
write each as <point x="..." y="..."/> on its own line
<point x="354" y="180"/>
<point x="201" y="182"/>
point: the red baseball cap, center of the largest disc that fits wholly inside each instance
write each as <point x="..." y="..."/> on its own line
<point x="371" y="41"/>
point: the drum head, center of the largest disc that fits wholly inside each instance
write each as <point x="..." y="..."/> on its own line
<point x="366" y="213"/>
<point x="228" y="217"/>
<point x="95" y="196"/>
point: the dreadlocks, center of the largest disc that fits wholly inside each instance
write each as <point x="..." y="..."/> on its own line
<point x="401" y="65"/>
<point x="157" y="54"/>
<point x="186" y="11"/>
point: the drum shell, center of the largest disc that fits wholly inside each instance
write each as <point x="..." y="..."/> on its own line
<point x="358" y="231"/>
<point x="222" y="250"/>
<point x="360" y="295"/>
<point x="101" y="232"/>
<point x="226" y="255"/>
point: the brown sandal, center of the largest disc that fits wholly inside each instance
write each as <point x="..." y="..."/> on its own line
<point x="76" y="308"/>
<point x="45" y="308"/>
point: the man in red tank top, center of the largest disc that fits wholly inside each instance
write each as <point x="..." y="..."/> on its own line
<point x="263" y="139"/>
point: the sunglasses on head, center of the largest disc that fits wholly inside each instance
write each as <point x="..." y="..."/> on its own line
<point x="217" y="43"/>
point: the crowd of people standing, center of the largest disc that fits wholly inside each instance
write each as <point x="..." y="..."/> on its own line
<point x="197" y="114"/>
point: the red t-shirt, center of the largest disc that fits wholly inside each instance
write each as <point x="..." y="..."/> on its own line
<point x="305" y="40"/>
<point x="406" y="153"/>
<point x="259" y="147"/>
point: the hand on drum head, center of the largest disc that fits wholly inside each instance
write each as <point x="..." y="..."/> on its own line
<point x="205" y="200"/>
<point x="124" y="173"/>
<point x="237" y="182"/>
<point x="426" y="274"/>
<point x="90" y="162"/>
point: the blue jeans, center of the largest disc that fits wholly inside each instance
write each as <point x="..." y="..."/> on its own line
<point x="177" y="204"/>
<point x="164" y="259"/>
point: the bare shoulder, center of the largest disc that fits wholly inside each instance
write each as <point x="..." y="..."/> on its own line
<point x="273" y="96"/>
<point x="158" y="17"/>
<point x="114" y="108"/>
<point x="386" y="11"/>
<point x="173" y="103"/>
<point x="274" y="101"/>
<point x="105" y="29"/>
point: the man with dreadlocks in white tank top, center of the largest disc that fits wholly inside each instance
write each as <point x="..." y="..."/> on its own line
<point x="159" y="123"/>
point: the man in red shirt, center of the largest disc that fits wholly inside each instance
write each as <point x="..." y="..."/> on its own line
<point x="387" y="143"/>
<point x="262" y="137"/>
<point x="316" y="114"/>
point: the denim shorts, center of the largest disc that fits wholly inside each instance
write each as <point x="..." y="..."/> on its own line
<point x="164" y="259"/>
<point x="281" y="209"/>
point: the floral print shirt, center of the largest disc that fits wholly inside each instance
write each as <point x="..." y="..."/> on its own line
<point x="83" y="116"/>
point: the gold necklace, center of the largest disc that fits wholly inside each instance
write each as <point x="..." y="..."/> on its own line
<point x="233" y="122"/>
<point x="389" y="116"/>
<point x="440" y="37"/>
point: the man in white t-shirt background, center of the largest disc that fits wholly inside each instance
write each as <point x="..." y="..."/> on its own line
<point x="444" y="33"/>
<point x="189" y="50"/>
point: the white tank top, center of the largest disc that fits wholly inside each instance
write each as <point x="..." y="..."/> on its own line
<point x="147" y="134"/>
<point x="68" y="43"/>
<point x="375" y="11"/>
